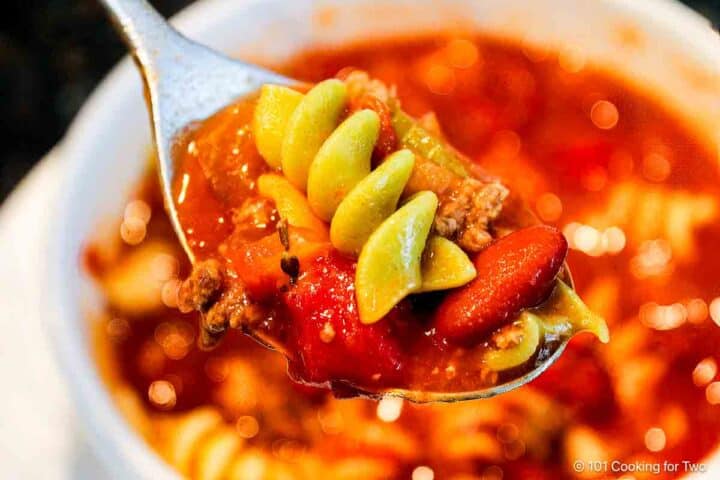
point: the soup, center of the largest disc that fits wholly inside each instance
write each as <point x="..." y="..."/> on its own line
<point x="635" y="194"/>
<point x="353" y="238"/>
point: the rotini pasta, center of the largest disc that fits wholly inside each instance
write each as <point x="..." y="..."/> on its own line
<point x="562" y="314"/>
<point x="342" y="161"/>
<point x="336" y="171"/>
<point x="215" y="453"/>
<point x="388" y="267"/>
<point x="312" y="122"/>
<point x="504" y="359"/>
<point x="290" y="202"/>
<point x="272" y="112"/>
<point x="444" y="266"/>
<point x="372" y="200"/>
<point x="202" y="446"/>
<point x="185" y="436"/>
<point x="133" y="286"/>
<point x="254" y="464"/>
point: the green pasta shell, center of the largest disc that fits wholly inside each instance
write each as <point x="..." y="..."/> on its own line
<point x="312" y="122"/>
<point x="372" y="200"/>
<point x="445" y="265"/>
<point x="506" y="358"/>
<point x="388" y="268"/>
<point x="342" y="161"/>
<point x="270" y="118"/>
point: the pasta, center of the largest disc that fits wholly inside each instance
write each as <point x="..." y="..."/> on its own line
<point x="133" y="285"/>
<point x="290" y="202"/>
<point x="270" y="120"/>
<point x="342" y="161"/>
<point x="565" y="307"/>
<point x="562" y="313"/>
<point x="337" y="176"/>
<point x="195" y="440"/>
<point x="200" y="445"/>
<point x="444" y="266"/>
<point x="310" y="124"/>
<point x="372" y="200"/>
<point x="523" y="350"/>
<point x="594" y="402"/>
<point x="388" y="268"/>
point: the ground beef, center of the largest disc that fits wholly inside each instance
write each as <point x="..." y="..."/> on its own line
<point x="202" y="287"/>
<point x="221" y="305"/>
<point x="232" y="310"/>
<point x="359" y="84"/>
<point x="467" y="205"/>
<point x="466" y="211"/>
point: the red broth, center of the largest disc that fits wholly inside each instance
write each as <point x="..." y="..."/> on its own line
<point x="635" y="193"/>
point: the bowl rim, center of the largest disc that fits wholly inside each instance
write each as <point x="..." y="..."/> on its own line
<point x="118" y="445"/>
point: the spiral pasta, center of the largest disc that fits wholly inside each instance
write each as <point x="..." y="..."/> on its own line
<point x="331" y="161"/>
<point x="373" y="199"/>
<point x="563" y="314"/>
<point x="342" y="161"/>
<point x="201" y="445"/>
<point x="198" y="443"/>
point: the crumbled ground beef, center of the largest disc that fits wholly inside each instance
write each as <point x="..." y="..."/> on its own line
<point x="202" y="287"/>
<point x="466" y="211"/>
<point x="222" y="305"/>
<point x="232" y="310"/>
<point x="359" y="84"/>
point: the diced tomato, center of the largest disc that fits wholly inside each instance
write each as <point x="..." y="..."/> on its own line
<point x="258" y="263"/>
<point x="326" y="332"/>
<point x="258" y="266"/>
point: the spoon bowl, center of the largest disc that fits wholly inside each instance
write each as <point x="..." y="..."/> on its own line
<point x="186" y="82"/>
<point x="417" y="396"/>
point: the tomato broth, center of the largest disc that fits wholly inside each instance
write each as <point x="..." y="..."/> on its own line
<point x="636" y="195"/>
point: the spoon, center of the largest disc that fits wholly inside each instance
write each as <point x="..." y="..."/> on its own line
<point x="186" y="82"/>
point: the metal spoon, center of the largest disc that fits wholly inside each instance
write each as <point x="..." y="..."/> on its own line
<point x="184" y="82"/>
<point x="187" y="82"/>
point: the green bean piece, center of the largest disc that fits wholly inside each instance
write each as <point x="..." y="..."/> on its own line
<point x="413" y="136"/>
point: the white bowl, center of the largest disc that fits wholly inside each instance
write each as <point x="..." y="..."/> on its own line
<point x="106" y="146"/>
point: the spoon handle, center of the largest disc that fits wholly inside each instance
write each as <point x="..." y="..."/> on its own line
<point x="184" y="82"/>
<point x="142" y="28"/>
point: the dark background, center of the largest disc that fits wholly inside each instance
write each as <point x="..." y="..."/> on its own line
<point x="52" y="54"/>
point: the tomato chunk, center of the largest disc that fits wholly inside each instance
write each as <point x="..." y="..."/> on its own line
<point x="326" y="332"/>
